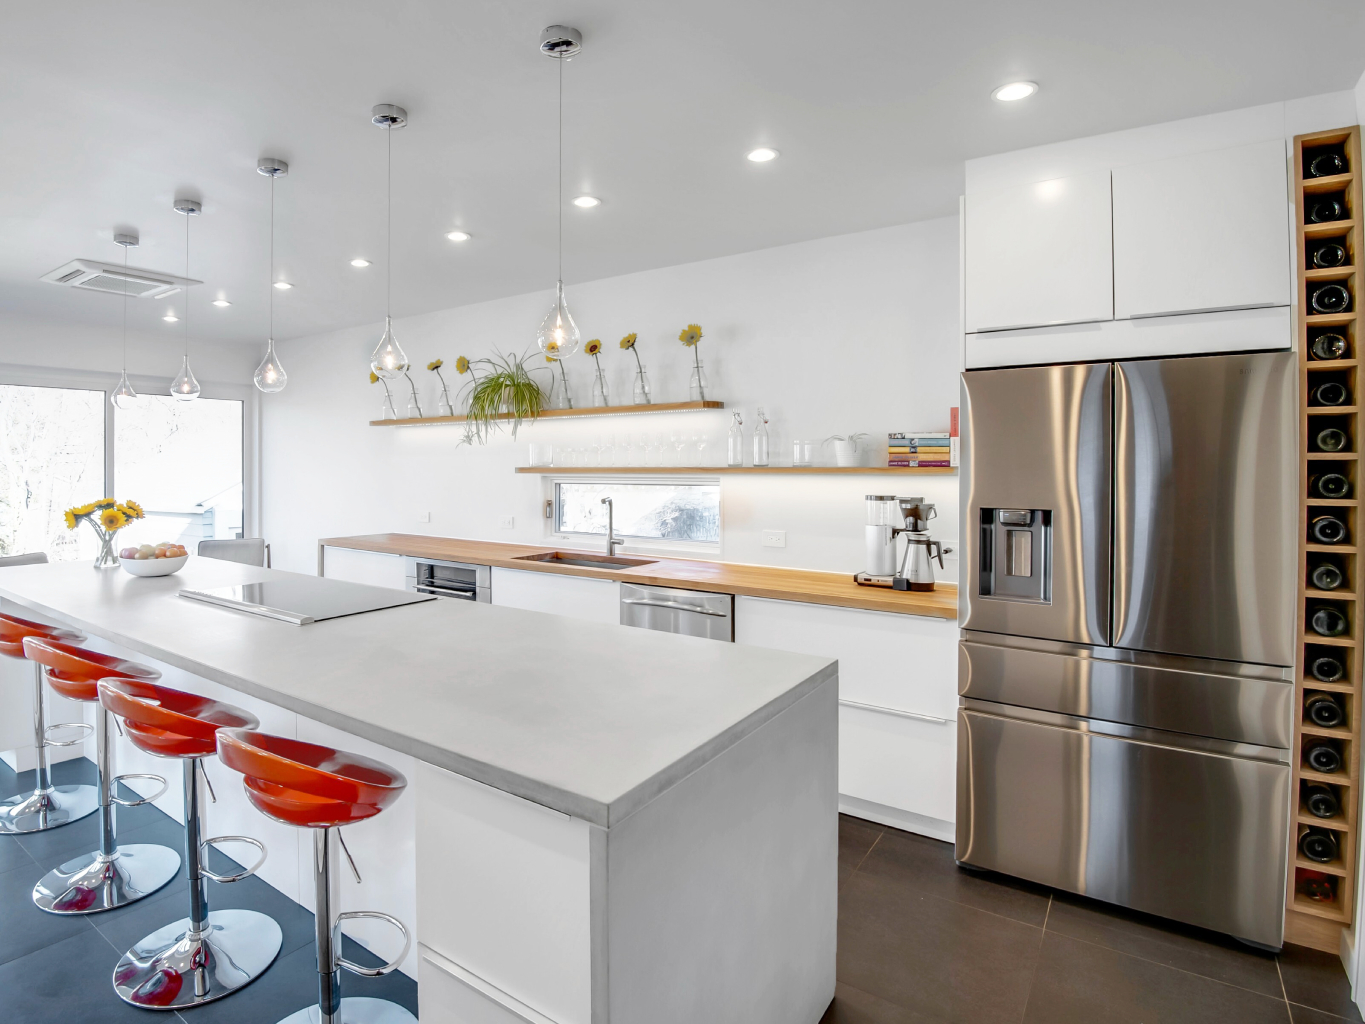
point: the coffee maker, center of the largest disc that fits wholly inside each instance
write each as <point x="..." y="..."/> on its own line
<point x="917" y="567"/>
<point x="888" y="517"/>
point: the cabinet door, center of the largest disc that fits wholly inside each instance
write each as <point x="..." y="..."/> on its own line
<point x="376" y="568"/>
<point x="575" y="596"/>
<point x="1040" y="254"/>
<point x="1202" y="232"/>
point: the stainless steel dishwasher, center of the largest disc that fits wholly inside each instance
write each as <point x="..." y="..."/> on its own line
<point x="691" y="612"/>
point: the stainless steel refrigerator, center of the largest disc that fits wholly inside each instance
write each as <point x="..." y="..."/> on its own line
<point x="1128" y="632"/>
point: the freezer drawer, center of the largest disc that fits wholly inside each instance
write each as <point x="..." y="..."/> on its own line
<point x="1205" y="506"/>
<point x="1184" y="833"/>
<point x="1239" y="703"/>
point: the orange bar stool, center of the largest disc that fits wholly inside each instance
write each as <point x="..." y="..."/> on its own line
<point x="209" y="954"/>
<point x="311" y="786"/>
<point x="113" y="875"/>
<point x="47" y="806"/>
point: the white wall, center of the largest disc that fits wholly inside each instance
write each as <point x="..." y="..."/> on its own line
<point x="853" y="333"/>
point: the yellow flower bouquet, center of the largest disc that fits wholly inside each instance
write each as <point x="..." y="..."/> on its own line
<point x="106" y="517"/>
<point x="640" y="394"/>
<point x="696" y="388"/>
<point x="599" y="384"/>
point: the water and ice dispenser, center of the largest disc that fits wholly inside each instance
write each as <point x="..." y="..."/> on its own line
<point x="1016" y="554"/>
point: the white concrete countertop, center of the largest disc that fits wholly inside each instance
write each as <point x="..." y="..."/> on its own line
<point x="591" y="720"/>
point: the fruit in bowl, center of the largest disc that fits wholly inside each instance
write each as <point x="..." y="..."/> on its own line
<point x="153" y="559"/>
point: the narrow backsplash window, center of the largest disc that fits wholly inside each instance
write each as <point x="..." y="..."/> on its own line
<point x="662" y="511"/>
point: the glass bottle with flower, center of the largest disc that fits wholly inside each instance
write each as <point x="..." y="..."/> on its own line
<point x="696" y="387"/>
<point x="414" y="406"/>
<point x="599" y="382"/>
<point x="389" y="412"/>
<point x="106" y="517"/>
<point x="559" y="392"/>
<point x="444" y="406"/>
<point x="640" y="393"/>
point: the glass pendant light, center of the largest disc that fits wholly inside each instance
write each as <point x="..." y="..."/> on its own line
<point x="270" y="376"/>
<point x="388" y="360"/>
<point x="185" y="388"/>
<point x="124" y="396"/>
<point x="558" y="335"/>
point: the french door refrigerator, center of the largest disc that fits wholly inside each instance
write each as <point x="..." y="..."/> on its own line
<point x="1128" y="632"/>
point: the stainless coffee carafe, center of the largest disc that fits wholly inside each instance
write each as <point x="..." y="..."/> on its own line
<point x="917" y="567"/>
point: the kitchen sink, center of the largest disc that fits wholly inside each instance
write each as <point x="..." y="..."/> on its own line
<point x="585" y="559"/>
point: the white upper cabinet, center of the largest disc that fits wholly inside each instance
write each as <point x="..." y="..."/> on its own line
<point x="1040" y="254"/>
<point x="1201" y="232"/>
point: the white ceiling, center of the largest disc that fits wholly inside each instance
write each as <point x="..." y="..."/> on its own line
<point x="114" y="109"/>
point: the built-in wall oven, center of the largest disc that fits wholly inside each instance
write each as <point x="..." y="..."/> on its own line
<point x="460" y="580"/>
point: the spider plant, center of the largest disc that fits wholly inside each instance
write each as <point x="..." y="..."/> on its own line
<point x="500" y="390"/>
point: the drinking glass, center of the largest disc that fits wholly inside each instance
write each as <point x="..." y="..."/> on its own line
<point x="699" y="442"/>
<point x="803" y="453"/>
<point x="679" y="443"/>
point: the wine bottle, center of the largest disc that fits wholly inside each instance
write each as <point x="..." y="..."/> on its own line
<point x="1318" y="844"/>
<point x="1327" y="576"/>
<point x="1320" y="800"/>
<point x="1327" y="669"/>
<point x="1329" y="346"/>
<point x="1329" y="485"/>
<point x="1330" y="298"/>
<point x="1330" y="439"/>
<point x="1327" y="621"/>
<point x="1326" y="164"/>
<point x="1327" y="209"/>
<point x="1328" y="530"/>
<point x="1323" y="756"/>
<point x="1323" y="710"/>
<point x="1331" y="393"/>
<point x="1328" y="255"/>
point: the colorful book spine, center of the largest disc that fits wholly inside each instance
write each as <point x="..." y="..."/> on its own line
<point x="927" y="448"/>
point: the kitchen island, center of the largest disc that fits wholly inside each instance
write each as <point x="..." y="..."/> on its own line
<point x="603" y="823"/>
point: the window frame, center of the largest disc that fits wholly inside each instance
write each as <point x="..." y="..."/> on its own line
<point x="640" y="545"/>
<point x="94" y="380"/>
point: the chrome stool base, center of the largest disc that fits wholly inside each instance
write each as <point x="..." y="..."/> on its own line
<point x="170" y="970"/>
<point x="45" y="809"/>
<point x="92" y="882"/>
<point x="355" y="1010"/>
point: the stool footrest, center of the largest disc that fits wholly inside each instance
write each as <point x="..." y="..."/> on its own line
<point x="375" y="915"/>
<point x="146" y="799"/>
<point x="247" y="873"/>
<point x="89" y="731"/>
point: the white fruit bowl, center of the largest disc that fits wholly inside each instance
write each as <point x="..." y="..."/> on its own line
<point x="152" y="566"/>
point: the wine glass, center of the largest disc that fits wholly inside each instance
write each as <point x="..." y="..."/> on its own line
<point x="627" y="451"/>
<point x="679" y="443"/>
<point x="644" y="449"/>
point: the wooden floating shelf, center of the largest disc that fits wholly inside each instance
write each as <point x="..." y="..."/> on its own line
<point x="712" y="470"/>
<point x="554" y="414"/>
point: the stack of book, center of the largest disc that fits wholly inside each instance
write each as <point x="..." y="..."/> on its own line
<point x="924" y="448"/>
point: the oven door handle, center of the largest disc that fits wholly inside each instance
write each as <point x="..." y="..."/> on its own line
<point x="423" y="588"/>
<point x="677" y="607"/>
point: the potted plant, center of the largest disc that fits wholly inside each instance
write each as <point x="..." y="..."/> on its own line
<point x="846" y="448"/>
<point x="504" y="390"/>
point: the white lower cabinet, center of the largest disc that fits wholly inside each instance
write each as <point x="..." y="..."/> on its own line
<point x="578" y="597"/>
<point x="376" y="568"/>
<point x="898" y="703"/>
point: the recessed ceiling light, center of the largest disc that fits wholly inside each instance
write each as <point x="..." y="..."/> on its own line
<point x="1015" y="91"/>
<point x="762" y="155"/>
<point x="360" y="263"/>
<point x="221" y="302"/>
<point x="283" y="286"/>
<point x="459" y="236"/>
<point x="170" y="318"/>
<point x="587" y="202"/>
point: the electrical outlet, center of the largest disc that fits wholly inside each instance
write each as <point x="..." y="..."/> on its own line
<point x="549" y="508"/>
<point x="507" y="522"/>
<point x="424" y="517"/>
<point x="774" y="538"/>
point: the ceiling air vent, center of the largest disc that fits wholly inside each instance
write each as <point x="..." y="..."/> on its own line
<point x="113" y="279"/>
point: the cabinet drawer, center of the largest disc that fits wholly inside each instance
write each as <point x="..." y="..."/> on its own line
<point x="448" y="994"/>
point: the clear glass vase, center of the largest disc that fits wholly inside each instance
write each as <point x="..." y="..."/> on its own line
<point x="444" y="406"/>
<point x="698" y="385"/>
<point x="559" y="394"/>
<point x="105" y="558"/>
<point x="600" y="394"/>
<point x="388" y="412"/>
<point x="640" y="393"/>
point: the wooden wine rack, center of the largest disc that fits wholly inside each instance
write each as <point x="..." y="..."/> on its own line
<point x="1318" y="922"/>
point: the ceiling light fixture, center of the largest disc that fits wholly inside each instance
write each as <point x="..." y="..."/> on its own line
<point x="221" y="302"/>
<point x="270" y="376"/>
<point x="1015" y="91"/>
<point x="587" y="202"/>
<point x="459" y="236"/>
<point x="283" y="286"/>
<point x="762" y="155"/>
<point x="558" y="335"/>
<point x="171" y="318"/>
<point x="388" y="359"/>
<point x="360" y="263"/>
<point x="124" y="396"/>
<point x="185" y="388"/>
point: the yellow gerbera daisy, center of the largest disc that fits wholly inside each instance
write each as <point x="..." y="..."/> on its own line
<point x="374" y="377"/>
<point x="112" y="519"/>
<point x="106" y="503"/>
<point x="691" y="334"/>
<point x="462" y="365"/>
<point x="435" y="364"/>
<point x="551" y="359"/>
<point x="132" y="510"/>
<point x="84" y="510"/>
<point x="593" y="347"/>
<point x="71" y="519"/>
<point x="628" y="341"/>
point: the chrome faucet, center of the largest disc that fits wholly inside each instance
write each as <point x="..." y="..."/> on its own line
<point x="612" y="542"/>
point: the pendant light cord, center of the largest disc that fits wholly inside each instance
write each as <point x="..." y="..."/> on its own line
<point x="187" y="285"/>
<point x="272" y="257"/>
<point x="125" y="310"/>
<point x="388" y="256"/>
<point x="559" y="193"/>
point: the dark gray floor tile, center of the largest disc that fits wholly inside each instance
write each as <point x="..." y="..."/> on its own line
<point x="939" y="958"/>
<point x="1079" y="982"/>
<point x="927" y="866"/>
<point x="23" y="927"/>
<point x="1307" y="1015"/>
<point x="53" y="846"/>
<point x="853" y="1006"/>
<point x="856" y="837"/>
<point x="12" y="855"/>
<point x="1317" y="980"/>
<point x="69" y="981"/>
<point x="1190" y="949"/>
<point x="396" y="986"/>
